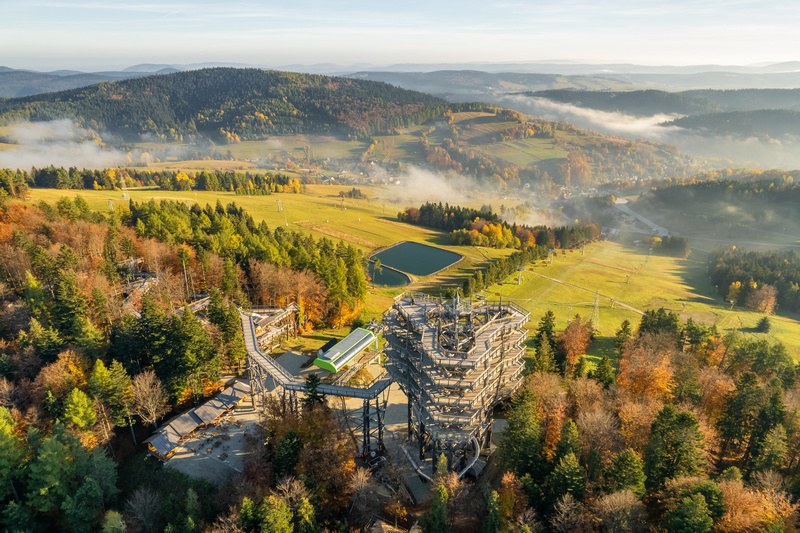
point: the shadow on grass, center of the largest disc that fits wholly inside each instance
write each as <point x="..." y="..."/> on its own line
<point x="602" y="347"/>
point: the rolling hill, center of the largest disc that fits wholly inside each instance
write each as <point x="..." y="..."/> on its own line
<point x="326" y="122"/>
<point x="228" y="104"/>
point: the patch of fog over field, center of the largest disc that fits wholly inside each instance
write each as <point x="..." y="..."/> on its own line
<point x="417" y="186"/>
<point x="59" y="143"/>
<point x="767" y="153"/>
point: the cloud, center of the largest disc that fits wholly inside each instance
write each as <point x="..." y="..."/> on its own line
<point x="58" y="143"/>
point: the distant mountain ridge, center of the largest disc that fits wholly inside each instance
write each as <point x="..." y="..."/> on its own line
<point x="230" y="104"/>
<point x="412" y="75"/>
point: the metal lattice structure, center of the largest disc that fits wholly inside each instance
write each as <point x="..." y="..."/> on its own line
<point x="266" y="374"/>
<point x="455" y="361"/>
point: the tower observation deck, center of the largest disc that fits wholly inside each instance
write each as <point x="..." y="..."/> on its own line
<point x="455" y="361"/>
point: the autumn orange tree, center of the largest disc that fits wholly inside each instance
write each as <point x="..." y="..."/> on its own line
<point x="572" y="343"/>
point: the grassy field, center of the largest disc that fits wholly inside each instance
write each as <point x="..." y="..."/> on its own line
<point x="626" y="274"/>
<point x="294" y="147"/>
<point x="568" y="286"/>
<point x="524" y="152"/>
<point x="204" y="164"/>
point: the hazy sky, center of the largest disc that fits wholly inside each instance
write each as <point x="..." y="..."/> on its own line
<point x="86" y="34"/>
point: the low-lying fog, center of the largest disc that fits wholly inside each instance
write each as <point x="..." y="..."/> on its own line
<point x="772" y="153"/>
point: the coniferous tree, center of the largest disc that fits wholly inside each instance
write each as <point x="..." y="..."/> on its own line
<point x="712" y="494"/>
<point x="36" y="297"/>
<point x="69" y="306"/>
<point x="79" y="410"/>
<point x="547" y="331"/>
<point x="740" y="414"/>
<point x="545" y="360"/>
<point x="434" y="520"/>
<point x="594" y="465"/>
<point x="580" y="368"/>
<point x="690" y="516"/>
<point x="771" y="450"/>
<point x="313" y="397"/>
<point x="566" y="478"/>
<point x="441" y="465"/>
<point x="520" y="444"/>
<point x="604" y="374"/>
<point x="626" y="472"/>
<point x="65" y="477"/>
<point x="306" y="518"/>
<point x="622" y="336"/>
<point x="491" y="523"/>
<point x="569" y="442"/>
<point x="88" y="337"/>
<point x="674" y="448"/>
<point x="12" y="455"/>
<point x="287" y="453"/>
<point x="276" y="517"/>
<point x="249" y="516"/>
<point x="47" y="341"/>
<point x="121" y="399"/>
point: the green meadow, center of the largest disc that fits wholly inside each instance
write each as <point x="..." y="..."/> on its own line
<point x="637" y="282"/>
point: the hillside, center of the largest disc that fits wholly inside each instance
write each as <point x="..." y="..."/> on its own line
<point x="230" y="104"/>
<point x="652" y="102"/>
<point x="19" y="83"/>
<point x="764" y="123"/>
<point x="755" y="208"/>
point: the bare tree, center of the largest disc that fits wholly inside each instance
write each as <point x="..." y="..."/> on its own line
<point x="292" y="491"/>
<point x="227" y="524"/>
<point x="6" y="393"/>
<point x="150" y="397"/>
<point x="365" y="499"/>
<point x="599" y="430"/>
<point x="568" y="516"/>
<point x="144" y="507"/>
<point x="620" y="511"/>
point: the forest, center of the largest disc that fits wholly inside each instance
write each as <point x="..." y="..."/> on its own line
<point x="481" y="228"/>
<point x="756" y="206"/>
<point x="778" y="191"/>
<point x="763" y="123"/>
<point x="230" y="104"/>
<point x="166" y="180"/>
<point x="76" y="363"/>
<point x="762" y="281"/>
<point x="689" y="431"/>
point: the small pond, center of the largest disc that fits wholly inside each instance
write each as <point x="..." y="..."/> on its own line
<point x="415" y="258"/>
<point x="389" y="277"/>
